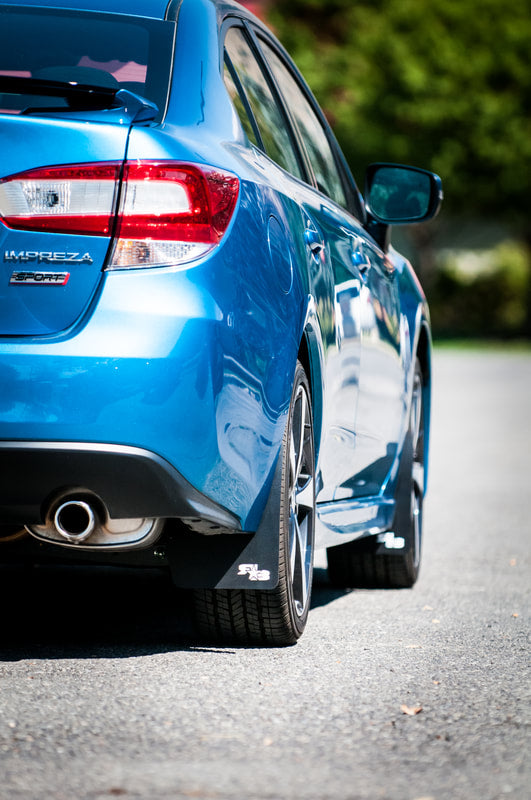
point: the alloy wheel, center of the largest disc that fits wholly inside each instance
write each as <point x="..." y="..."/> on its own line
<point x="301" y="500"/>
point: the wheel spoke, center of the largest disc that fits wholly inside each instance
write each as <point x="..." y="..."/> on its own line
<point x="305" y="495"/>
<point x="418" y="475"/>
<point x="297" y="435"/>
<point x="300" y="558"/>
<point x="292" y="460"/>
<point x="293" y="544"/>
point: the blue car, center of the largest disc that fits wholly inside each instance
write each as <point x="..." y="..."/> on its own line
<point x="212" y="360"/>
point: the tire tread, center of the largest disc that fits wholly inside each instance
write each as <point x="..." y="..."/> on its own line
<point x="254" y="616"/>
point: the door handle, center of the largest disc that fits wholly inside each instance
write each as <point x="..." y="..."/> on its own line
<point x="316" y="248"/>
<point x="359" y="258"/>
<point x="314" y="242"/>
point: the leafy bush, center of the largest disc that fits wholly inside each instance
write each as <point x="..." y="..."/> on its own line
<point x="481" y="294"/>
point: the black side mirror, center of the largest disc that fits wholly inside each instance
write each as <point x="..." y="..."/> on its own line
<point x="398" y="195"/>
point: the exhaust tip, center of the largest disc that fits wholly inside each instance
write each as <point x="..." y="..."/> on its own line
<point x="75" y="520"/>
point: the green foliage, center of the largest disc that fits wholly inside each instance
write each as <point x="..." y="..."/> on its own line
<point x="443" y="84"/>
<point x="481" y="294"/>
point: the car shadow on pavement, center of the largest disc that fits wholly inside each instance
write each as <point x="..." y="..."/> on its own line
<point x="102" y="612"/>
<point x="323" y="592"/>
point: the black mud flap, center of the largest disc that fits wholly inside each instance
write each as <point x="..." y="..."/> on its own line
<point x="230" y="560"/>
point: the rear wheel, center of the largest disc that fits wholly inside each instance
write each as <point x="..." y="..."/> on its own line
<point x="278" y="616"/>
<point x="391" y="560"/>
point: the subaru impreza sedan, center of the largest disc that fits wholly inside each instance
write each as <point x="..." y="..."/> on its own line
<point x="212" y="360"/>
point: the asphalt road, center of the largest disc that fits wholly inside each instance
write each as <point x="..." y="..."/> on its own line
<point x="103" y="696"/>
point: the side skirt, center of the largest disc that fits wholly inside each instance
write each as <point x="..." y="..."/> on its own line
<point x="345" y="520"/>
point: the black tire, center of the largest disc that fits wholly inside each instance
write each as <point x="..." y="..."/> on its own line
<point x="391" y="560"/>
<point x="276" y="617"/>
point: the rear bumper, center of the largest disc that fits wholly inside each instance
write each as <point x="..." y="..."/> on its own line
<point x="160" y="364"/>
<point x="129" y="482"/>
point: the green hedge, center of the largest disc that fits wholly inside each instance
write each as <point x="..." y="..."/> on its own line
<point x="481" y="294"/>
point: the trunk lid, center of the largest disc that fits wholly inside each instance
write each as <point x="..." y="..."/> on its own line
<point x="48" y="278"/>
<point x="71" y="84"/>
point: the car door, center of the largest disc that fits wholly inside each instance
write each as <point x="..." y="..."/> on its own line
<point x="332" y="226"/>
<point x="348" y="275"/>
<point x="381" y="403"/>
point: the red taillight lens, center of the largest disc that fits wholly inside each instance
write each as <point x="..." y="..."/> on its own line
<point x="174" y="202"/>
<point x="169" y="213"/>
<point x="69" y="199"/>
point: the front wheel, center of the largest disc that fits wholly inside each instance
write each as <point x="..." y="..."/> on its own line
<point x="391" y="560"/>
<point x="276" y="617"/>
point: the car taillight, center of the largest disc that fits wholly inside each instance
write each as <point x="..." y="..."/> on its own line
<point x="171" y="213"/>
<point x="69" y="199"/>
<point x="167" y="213"/>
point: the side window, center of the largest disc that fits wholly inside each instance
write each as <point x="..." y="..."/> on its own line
<point x="310" y="128"/>
<point x="269" y="118"/>
<point x="239" y="102"/>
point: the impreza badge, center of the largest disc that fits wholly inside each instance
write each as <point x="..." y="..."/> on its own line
<point x="47" y="257"/>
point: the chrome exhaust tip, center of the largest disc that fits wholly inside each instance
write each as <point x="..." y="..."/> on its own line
<point x="75" y="520"/>
<point x="79" y="519"/>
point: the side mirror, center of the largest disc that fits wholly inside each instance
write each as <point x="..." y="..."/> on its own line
<point x="397" y="195"/>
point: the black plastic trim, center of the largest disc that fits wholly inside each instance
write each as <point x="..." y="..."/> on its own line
<point x="131" y="482"/>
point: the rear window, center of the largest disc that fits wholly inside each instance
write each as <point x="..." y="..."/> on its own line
<point x="106" y="50"/>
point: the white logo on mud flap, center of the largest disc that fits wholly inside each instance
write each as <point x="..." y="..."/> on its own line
<point x="391" y="542"/>
<point x="253" y="572"/>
